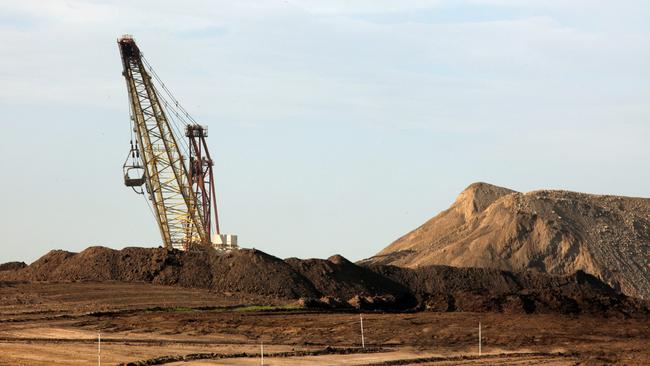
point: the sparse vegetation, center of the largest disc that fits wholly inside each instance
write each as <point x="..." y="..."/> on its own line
<point x="254" y="308"/>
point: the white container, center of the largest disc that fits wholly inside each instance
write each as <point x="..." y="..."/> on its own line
<point x="224" y="241"/>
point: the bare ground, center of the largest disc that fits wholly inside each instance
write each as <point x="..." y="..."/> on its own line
<point x="57" y="324"/>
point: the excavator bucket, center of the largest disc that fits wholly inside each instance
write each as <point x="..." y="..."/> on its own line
<point x="134" y="176"/>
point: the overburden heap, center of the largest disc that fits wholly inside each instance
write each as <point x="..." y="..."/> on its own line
<point x="334" y="282"/>
<point x="549" y="231"/>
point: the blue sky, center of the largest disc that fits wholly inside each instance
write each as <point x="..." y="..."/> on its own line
<point x="337" y="126"/>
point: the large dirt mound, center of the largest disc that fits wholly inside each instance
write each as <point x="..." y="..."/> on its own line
<point x="444" y="288"/>
<point x="253" y="271"/>
<point x="338" y="276"/>
<point x="12" y="266"/>
<point x="557" y="232"/>
<point x="249" y="271"/>
<point x="334" y="282"/>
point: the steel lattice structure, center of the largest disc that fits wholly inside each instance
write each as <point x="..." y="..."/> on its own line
<point x="178" y="196"/>
<point x="201" y="175"/>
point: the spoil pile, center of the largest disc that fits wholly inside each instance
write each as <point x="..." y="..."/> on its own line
<point x="336" y="276"/>
<point x="335" y="282"/>
<point x="12" y="266"/>
<point x="556" y="232"/>
<point x="444" y="288"/>
<point x="246" y="270"/>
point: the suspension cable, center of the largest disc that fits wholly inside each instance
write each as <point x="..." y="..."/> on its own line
<point x="179" y="118"/>
<point x="167" y="91"/>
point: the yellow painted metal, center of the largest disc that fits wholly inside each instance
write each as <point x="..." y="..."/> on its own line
<point x="167" y="180"/>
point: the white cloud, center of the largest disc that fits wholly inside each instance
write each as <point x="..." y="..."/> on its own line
<point x="62" y="11"/>
<point x="343" y="7"/>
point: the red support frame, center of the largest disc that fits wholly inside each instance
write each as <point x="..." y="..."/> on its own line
<point x="202" y="178"/>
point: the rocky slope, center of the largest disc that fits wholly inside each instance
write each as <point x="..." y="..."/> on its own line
<point x="556" y="232"/>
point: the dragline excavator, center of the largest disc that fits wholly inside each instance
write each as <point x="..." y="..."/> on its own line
<point x="175" y="168"/>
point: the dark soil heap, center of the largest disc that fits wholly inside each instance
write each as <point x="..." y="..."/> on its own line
<point x="443" y="288"/>
<point x="336" y="276"/>
<point x="12" y="266"/>
<point x="335" y="282"/>
<point x="246" y="270"/>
